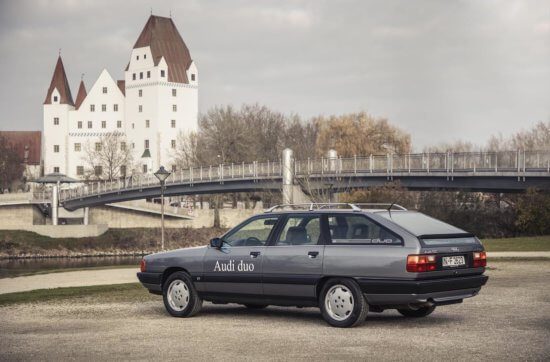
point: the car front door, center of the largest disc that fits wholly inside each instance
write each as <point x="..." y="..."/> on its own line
<point x="293" y="262"/>
<point x="236" y="268"/>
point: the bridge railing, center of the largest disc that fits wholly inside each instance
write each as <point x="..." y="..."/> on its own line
<point x="457" y="162"/>
<point x="451" y="163"/>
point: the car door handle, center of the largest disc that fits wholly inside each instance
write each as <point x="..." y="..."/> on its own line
<point x="254" y="254"/>
<point x="312" y="254"/>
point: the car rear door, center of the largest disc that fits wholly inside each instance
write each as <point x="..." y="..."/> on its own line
<point x="293" y="262"/>
<point x="236" y="268"/>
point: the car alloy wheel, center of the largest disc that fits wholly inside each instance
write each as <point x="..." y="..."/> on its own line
<point x="339" y="302"/>
<point x="178" y="295"/>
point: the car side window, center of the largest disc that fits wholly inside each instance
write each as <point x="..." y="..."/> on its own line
<point x="358" y="229"/>
<point x="300" y="230"/>
<point x="254" y="233"/>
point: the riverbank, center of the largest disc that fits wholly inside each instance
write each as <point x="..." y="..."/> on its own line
<point x="15" y="244"/>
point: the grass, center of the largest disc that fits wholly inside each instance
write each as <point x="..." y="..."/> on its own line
<point x="525" y="243"/>
<point x="107" y="293"/>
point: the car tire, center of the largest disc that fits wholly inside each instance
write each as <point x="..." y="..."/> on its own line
<point x="342" y="303"/>
<point x="417" y="313"/>
<point x="255" y="306"/>
<point x="180" y="296"/>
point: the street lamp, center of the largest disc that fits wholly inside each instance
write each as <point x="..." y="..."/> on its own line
<point x="162" y="175"/>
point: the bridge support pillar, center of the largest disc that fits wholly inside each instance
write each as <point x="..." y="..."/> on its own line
<point x="55" y="204"/>
<point x="332" y="156"/>
<point x="86" y="220"/>
<point x="288" y="175"/>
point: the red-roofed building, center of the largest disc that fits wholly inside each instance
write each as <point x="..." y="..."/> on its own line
<point x="157" y="99"/>
<point x="28" y="146"/>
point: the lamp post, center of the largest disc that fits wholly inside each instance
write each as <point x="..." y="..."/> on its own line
<point x="162" y="175"/>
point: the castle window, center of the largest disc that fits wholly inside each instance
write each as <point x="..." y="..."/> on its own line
<point x="144" y="168"/>
<point x="89" y="124"/>
<point x="174" y="107"/>
<point x="140" y="75"/>
<point x="80" y="170"/>
<point x="98" y="170"/>
<point x="115" y="107"/>
<point x="193" y="77"/>
<point x="134" y="76"/>
<point x="56" y="148"/>
<point x="137" y="57"/>
<point x="56" y="121"/>
<point x="133" y="125"/>
<point x="173" y="123"/>
<point x="56" y="169"/>
<point x="162" y="73"/>
<point x="104" y="90"/>
<point x="123" y="170"/>
<point x="118" y="124"/>
<point x="133" y="145"/>
<point x="98" y="146"/>
<point x="146" y="144"/>
<point x="140" y="93"/>
<point x="79" y="124"/>
<point x="174" y="92"/>
<point x="77" y="147"/>
<point x="123" y="146"/>
<point x="173" y="168"/>
<point x="92" y="107"/>
<point x="140" y="108"/>
<point x="144" y="56"/>
<point x="55" y="98"/>
<point x="147" y="123"/>
<point x="173" y="143"/>
<point x="103" y="124"/>
<point x="148" y="74"/>
<point x="103" y="108"/>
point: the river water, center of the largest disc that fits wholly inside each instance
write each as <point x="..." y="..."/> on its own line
<point x="16" y="267"/>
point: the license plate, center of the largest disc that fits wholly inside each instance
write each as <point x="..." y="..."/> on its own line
<point x="453" y="261"/>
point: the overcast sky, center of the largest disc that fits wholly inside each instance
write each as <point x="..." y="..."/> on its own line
<point x="441" y="70"/>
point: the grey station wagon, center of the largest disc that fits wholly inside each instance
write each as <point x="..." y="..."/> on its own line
<point x="344" y="259"/>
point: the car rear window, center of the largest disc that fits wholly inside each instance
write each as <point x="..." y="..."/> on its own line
<point x="420" y="224"/>
<point x="450" y="241"/>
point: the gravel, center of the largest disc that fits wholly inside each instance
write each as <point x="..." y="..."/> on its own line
<point x="508" y="320"/>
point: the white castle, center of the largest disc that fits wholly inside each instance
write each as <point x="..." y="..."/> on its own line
<point x="157" y="99"/>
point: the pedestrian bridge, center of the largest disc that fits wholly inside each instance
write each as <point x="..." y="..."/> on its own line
<point x="506" y="171"/>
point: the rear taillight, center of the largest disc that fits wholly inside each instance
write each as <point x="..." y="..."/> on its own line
<point x="480" y="259"/>
<point x="421" y="263"/>
<point x="142" y="265"/>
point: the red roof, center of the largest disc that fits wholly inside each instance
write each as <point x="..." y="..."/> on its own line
<point x="122" y="86"/>
<point x="27" y="144"/>
<point x="59" y="81"/>
<point x="81" y="95"/>
<point x="162" y="36"/>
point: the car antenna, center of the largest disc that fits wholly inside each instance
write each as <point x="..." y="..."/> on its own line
<point x="389" y="208"/>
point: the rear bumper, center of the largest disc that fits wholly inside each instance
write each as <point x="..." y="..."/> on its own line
<point x="151" y="281"/>
<point x="438" y="291"/>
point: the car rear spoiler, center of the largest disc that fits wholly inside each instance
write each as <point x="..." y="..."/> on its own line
<point x="446" y="236"/>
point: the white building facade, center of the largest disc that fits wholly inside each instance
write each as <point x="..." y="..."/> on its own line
<point x="157" y="100"/>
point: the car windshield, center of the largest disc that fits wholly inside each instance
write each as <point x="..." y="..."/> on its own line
<point x="420" y="224"/>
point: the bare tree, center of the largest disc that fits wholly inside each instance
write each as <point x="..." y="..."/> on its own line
<point x="11" y="167"/>
<point x="109" y="157"/>
<point x="186" y="154"/>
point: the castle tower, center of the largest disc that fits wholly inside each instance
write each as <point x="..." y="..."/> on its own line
<point x="57" y="105"/>
<point x="161" y="83"/>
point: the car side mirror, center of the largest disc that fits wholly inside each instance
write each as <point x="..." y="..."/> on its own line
<point x="216" y="243"/>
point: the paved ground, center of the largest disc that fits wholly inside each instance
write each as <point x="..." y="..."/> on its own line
<point x="69" y="279"/>
<point x="509" y="320"/>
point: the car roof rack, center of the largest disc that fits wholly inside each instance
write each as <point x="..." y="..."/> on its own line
<point x="380" y="206"/>
<point x="315" y="206"/>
